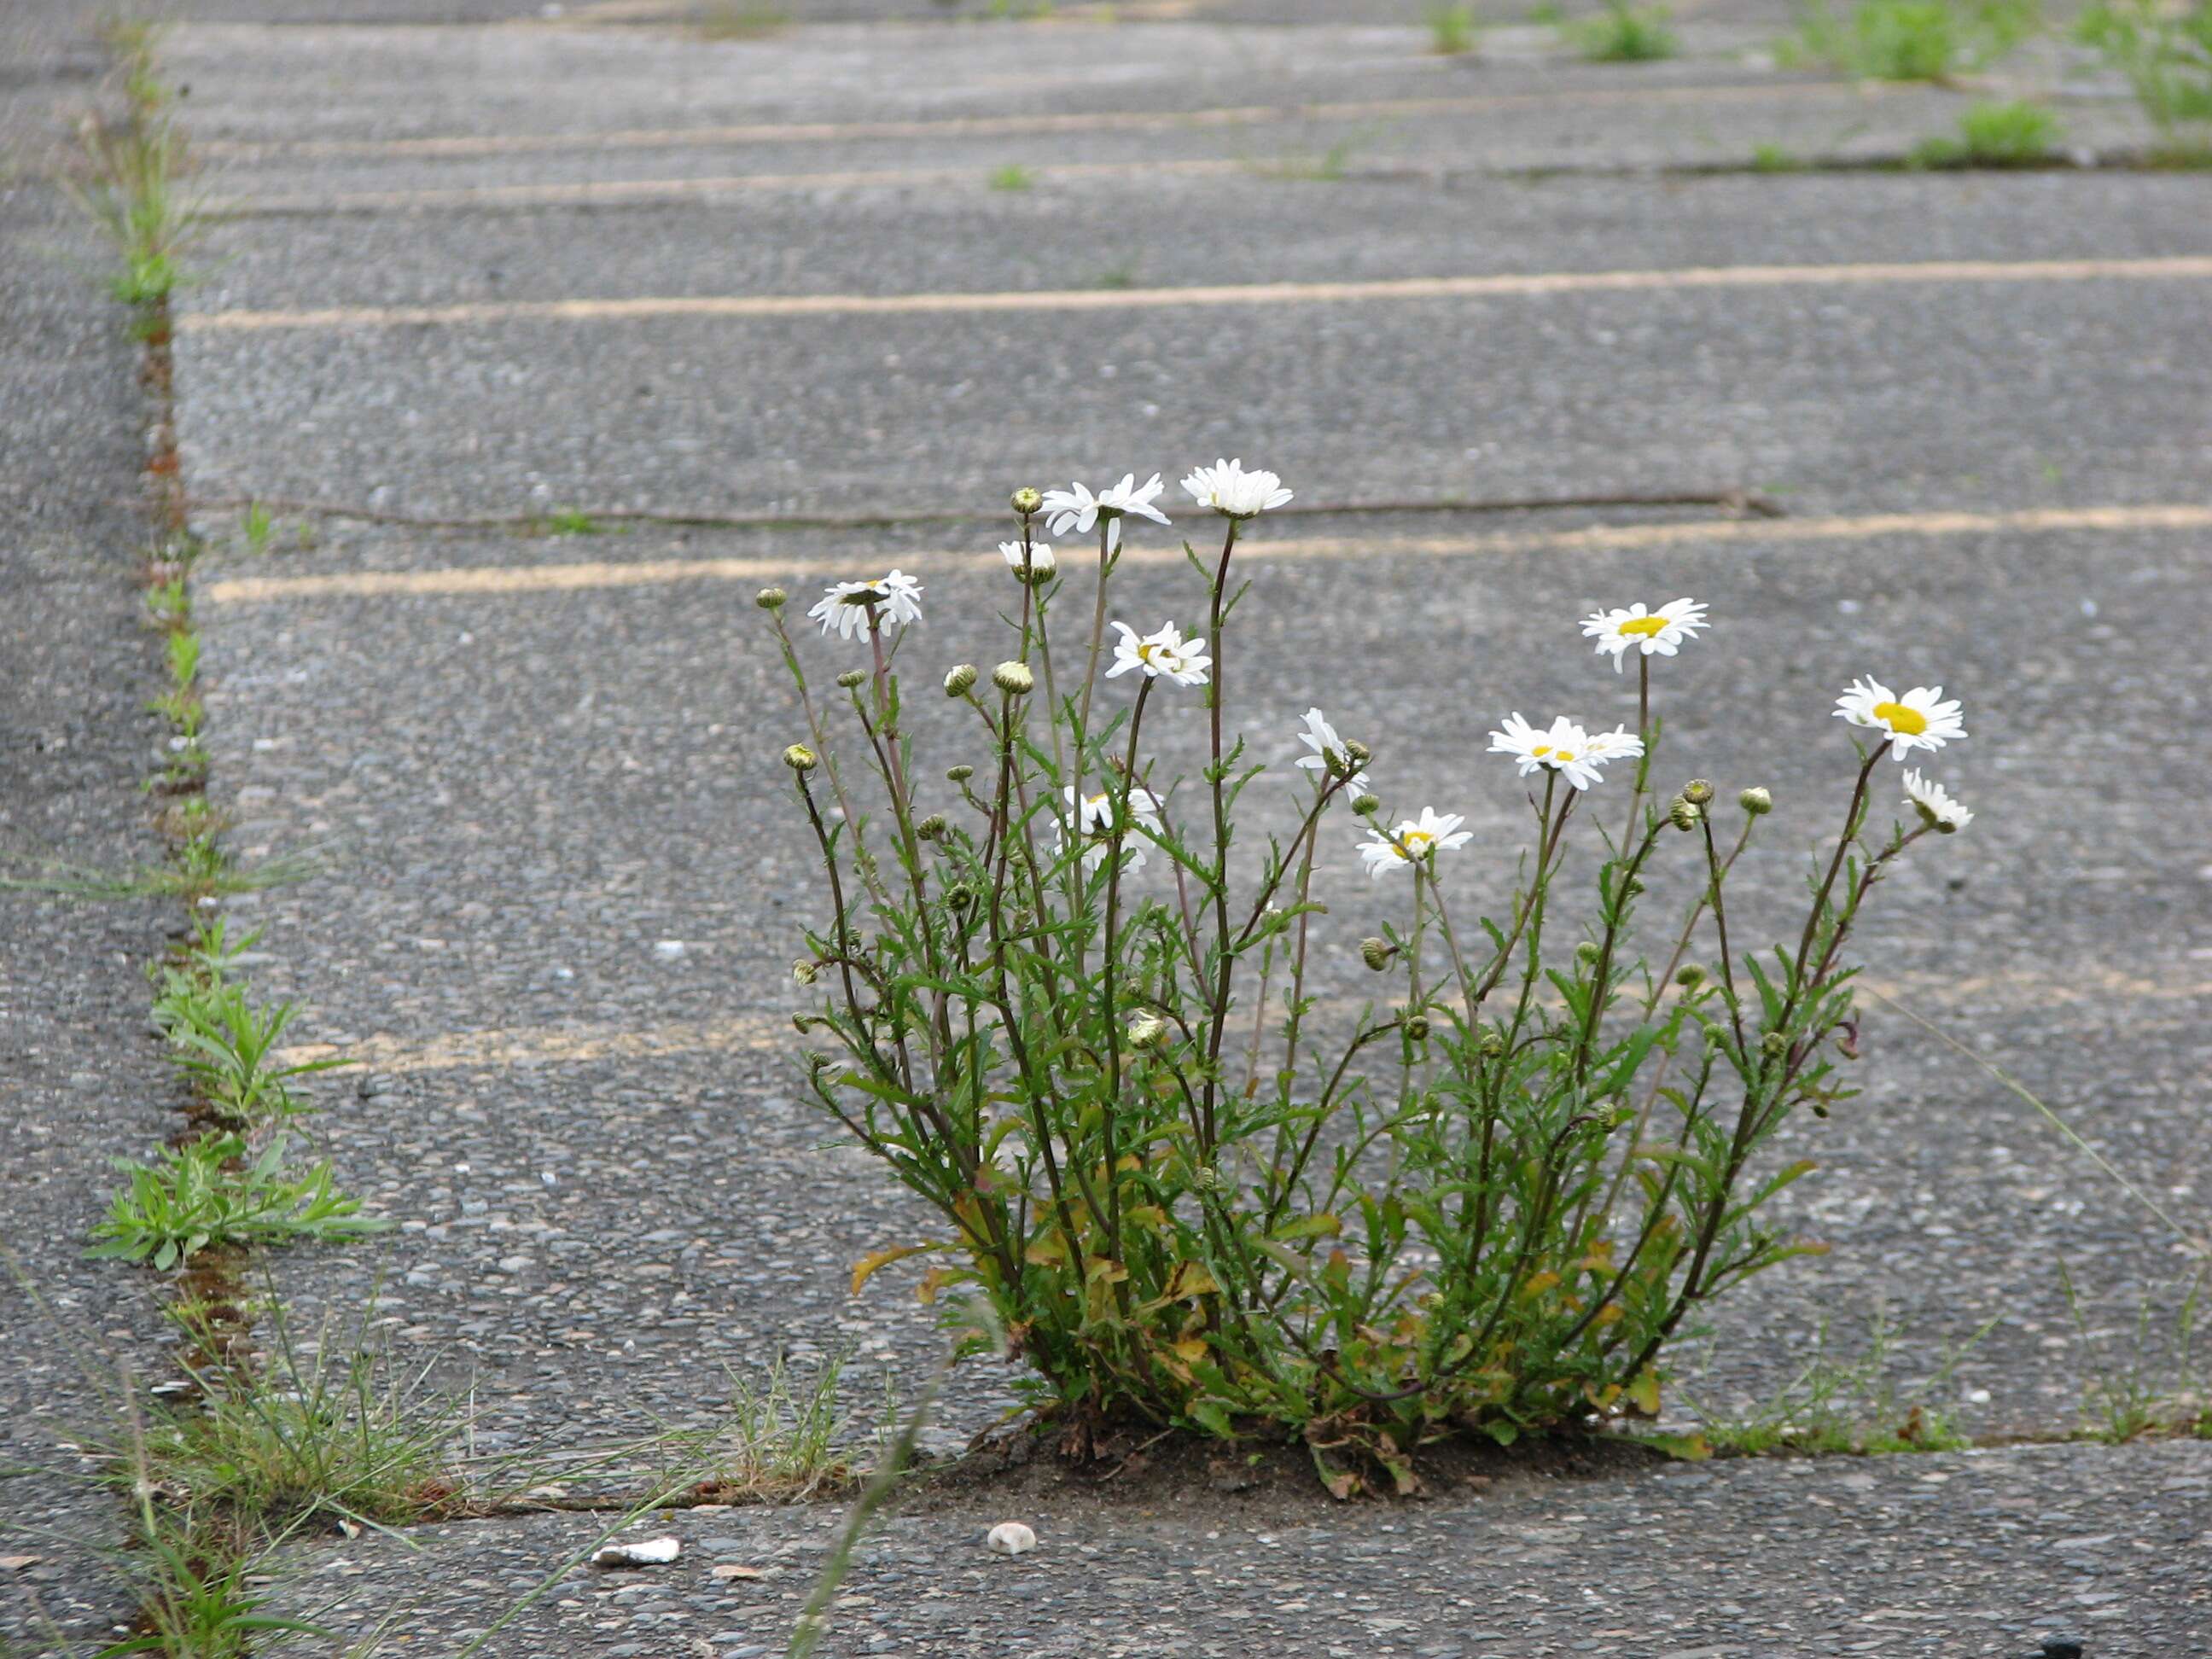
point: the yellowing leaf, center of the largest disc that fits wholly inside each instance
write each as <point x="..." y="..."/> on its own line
<point x="1644" y="1392"/>
<point x="1050" y="1251"/>
<point x="1540" y="1283"/>
<point x="1323" y="1225"/>
<point x="1191" y="1349"/>
<point x="1190" y="1278"/>
<point x="876" y="1259"/>
<point x="1146" y="1215"/>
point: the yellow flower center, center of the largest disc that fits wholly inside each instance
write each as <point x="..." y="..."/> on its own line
<point x="1415" y="842"/>
<point x="1541" y="751"/>
<point x="1564" y="757"/>
<point x="1911" y="722"/>
<point x="1643" y="625"/>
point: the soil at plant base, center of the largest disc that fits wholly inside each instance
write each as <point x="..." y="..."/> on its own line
<point x="1261" y="1480"/>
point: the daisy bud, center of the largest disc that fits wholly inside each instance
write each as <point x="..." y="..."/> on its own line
<point x="803" y="971"/>
<point x="1634" y="887"/>
<point x="770" y="598"/>
<point x="960" y="680"/>
<point x="1493" y="1044"/>
<point x="1691" y="977"/>
<point x="851" y="678"/>
<point x="931" y="826"/>
<point x="1757" y="803"/>
<point x="1682" y="813"/>
<point x="1697" y="791"/>
<point x="959" y="774"/>
<point x="1774" y="1044"/>
<point x="816" y="1061"/>
<point x="1587" y="953"/>
<point x="1366" y="805"/>
<point x="1026" y="501"/>
<point x="801" y="1024"/>
<point x="1013" y="678"/>
<point x="1418" y="1028"/>
<point x="1377" y="953"/>
<point x="1357" y="752"/>
<point x="799" y="757"/>
<point x="960" y="897"/>
<point x="1207" y="1179"/>
<point x="1147" y="1031"/>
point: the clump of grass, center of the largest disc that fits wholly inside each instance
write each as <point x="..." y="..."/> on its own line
<point x="1012" y="176"/>
<point x="1774" y="158"/>
<point x="1853" y="1407"/>
<point x="572" y="521"/>
<point x="1910" y="40"/>
<point x="1991" y="135"/>
<point x="1623" y="34"/>
<point x="216" y="1193"/>
<point x="2125" y="1397"/>
<point x="728" y="21"/>
<point x="786" y="1440"/>
<point x="1453" y="28"/>
<point x="2166" y="53"/>
<point x="320" y="1432"/>
<point x="257" y="525"/>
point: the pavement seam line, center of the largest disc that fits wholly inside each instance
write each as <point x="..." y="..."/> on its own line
<point x="464" y="145"/>
<point x="516" y="580"/>
<point x="2171" y="268"/>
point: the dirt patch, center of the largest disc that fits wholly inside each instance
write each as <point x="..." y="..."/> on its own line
<point x="1272" y="1480"/>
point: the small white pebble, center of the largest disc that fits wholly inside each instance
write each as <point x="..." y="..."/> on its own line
<point x="668" y="950"/>
<point x="1011" y="1538"/>
<point x="647" y="1553"/>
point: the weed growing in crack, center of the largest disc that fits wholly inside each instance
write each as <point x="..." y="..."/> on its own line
<point x="1073" y="1011"/>
<point x="1012" y="177"/>
<point x="1910" y="40"/>
<point x="1854" y="1406"/>
<point x="1454" y="30"/>
<point x="216" y="1193"/>
<point x="1992" y="135"/>
<point x="316" y="1433"/>
<point x="785" y="1439"/>
<point x="256" y="526"/>
<point x="2129" y="1394"/>
<point x="2166" y="53"/>
<point x="1624" y="34"/>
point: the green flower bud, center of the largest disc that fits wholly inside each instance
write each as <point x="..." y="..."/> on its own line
<point x="1377" y="953"/>
<point x="851" y="678"/>
<point x="802" y="1023"/>
<point x="1418" y="1028"/>
<point x="1697" y="791"/>
<point x="1026" y="501"/>
<point x="960" y="896"/>
<point x="1013" y="678"/>
<point x="1357" y="752"/>
<point x="1682" y="813"/>
<point x="959" y="774"/>
<point x="799" y="758"/>
<point x="931" y="826"/>
<point x="1691" y="977"/>
<point x="770" y="598"/>
<point x="1366" y="805"/>
<point x="1587" y="953"/>
<point x="1147" y="1031"/>
<point x="1492" y="1044"/>
<point x="958" y="683"/>
<point x="1756" y="802"/>
<point x="805" y="971"/>
<point x="1774" y="1044"/>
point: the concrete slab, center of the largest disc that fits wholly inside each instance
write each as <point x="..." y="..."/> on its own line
<point x="82" y="1078"/>
<point x="1821" y="392"/>
<point x="533" y="792"/>
<point x="1984" y="1555"/>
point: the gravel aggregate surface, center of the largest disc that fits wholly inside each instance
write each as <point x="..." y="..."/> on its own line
<point x="80" y="1079"/>
<point x="1985" y="1554"/>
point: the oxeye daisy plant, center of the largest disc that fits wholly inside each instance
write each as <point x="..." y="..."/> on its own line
<point x="1063" y="999"/>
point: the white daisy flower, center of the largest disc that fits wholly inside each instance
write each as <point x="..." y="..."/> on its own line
<point x="1654" y="633"/>
<point x="1165" y="651"/>
<point x="1564" y="747"/>
<point x="1330" y="757"/>
<point x="1079" y="510"/>
<point x="848" y="609"/>
<point x="1413" y="839"/>
<point x="1919" y="720"/>
<point x="1095" y="825"/>
<point x="1037" y="556"/>
<point x="1233" y="493"/>
<point x="1939" y="808"/>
